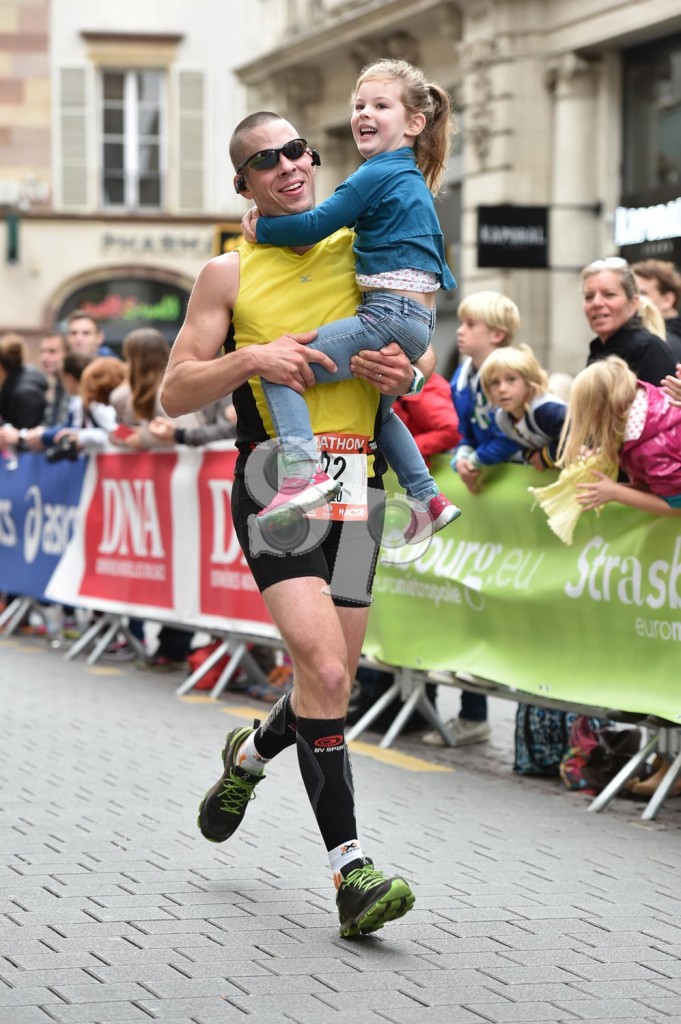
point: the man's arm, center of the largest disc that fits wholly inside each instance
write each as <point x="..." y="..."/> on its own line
<point x="195" y="377"/>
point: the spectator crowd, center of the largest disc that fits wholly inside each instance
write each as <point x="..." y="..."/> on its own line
<point x="500" y="406"/>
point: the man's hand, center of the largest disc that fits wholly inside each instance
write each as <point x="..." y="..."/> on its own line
<point x="469" y="474"/>
<point x="286" y="360"/>
<point x="162" y="430"/>
<point x="389" y="370"/>
<point x="248" y="224"/>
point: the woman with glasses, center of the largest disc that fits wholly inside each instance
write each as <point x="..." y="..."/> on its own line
<point x="612" y="307"/>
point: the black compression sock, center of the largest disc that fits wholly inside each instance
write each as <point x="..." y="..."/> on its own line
<point x="327" y="773"/>
<point x="278" y="731"/>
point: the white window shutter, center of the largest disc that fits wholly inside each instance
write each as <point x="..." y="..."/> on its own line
<point x="73" y="137"/>
<point x="191" y="141"/>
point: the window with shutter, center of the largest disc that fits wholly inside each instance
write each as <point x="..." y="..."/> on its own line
<point x="73" y="137"/>
<point x="190" y="129"/>
<point x="133" y="139"/>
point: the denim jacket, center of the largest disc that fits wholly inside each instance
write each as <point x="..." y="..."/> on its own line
<point x="391" y="209"/>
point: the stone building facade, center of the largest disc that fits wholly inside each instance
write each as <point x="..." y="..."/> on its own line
<point x="115" y="177"/>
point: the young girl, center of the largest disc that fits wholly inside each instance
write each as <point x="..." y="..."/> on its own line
<point x="402" y="126"/>
<point x="633" y="425"/>
<point x="526" y="411"/>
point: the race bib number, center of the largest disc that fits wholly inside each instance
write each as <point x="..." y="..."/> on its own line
<point x="344" y="458"/>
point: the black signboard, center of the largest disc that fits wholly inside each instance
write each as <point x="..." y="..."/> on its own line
<point x="513" y="236"/>
<point x="227" y="237"/>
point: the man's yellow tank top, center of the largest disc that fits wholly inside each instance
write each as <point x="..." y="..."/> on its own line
<point x="282" y="292"/>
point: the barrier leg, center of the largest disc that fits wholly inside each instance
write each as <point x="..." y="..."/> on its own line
<point x="616" y="784"/>
<point x="374" y="711"/>
<point x="400" y="720"/>
<point x="200" y="672"/>
<point x="229" y="670"/>
<point x="8" y="611"/>
<point x="429" y="712"/>
<point x="662" y="791"/>
<point x="134" y="642"/>
<point x="83" y="641"/>
<point x="413" y="692"/>
<point x="252" y="668"/>
<point x="14" y="613"/>
<point x="114" y="624"/>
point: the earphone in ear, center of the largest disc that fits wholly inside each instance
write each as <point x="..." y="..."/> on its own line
<point x="316" y="159"/>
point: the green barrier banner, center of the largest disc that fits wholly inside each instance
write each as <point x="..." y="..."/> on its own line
<point x="498" y="595"/>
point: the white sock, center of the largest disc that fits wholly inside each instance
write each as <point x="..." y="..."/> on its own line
<point x="249" y="759"/>
<point x="344" y="854"/>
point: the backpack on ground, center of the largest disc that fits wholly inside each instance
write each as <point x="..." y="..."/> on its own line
<point x="541" y="739"/>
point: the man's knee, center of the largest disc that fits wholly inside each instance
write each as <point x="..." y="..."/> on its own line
<point x="324" y="683"/>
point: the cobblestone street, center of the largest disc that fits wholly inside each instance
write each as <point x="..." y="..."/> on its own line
<point x="115" y="909"/>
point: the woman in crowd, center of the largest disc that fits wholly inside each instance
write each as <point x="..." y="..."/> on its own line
<point x="23" y="389"/>
<point x="137" y="401"/>
<point x="612" y="308"/>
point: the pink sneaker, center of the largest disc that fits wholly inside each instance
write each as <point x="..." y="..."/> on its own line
<point x="300" y="494"/>
<point x="426" y="521"/>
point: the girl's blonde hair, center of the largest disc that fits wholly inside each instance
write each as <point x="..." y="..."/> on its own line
<point x="600" y="401"/>
<point x="493" y="309"/>
<point x="523" y="361"/>
<point x="651" y="318"/>
<point x="147" y="352"/>
<point x="432" y="146"/>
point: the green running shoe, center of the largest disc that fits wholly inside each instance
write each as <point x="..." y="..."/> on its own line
<point x="367" y="900"/>
<point x="223" y="807"/>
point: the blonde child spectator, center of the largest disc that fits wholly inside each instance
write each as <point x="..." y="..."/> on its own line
<point x="525" y="410"/>
<point x="632" y="425"/>
<point x="488" y="321"/>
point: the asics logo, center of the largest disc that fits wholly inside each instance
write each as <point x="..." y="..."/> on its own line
<point x="329" y="741"/>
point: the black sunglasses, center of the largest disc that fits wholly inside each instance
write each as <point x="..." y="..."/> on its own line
<point x="266" y="159"/>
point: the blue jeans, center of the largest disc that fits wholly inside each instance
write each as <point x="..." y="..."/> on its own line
<point x="381" y="318"/>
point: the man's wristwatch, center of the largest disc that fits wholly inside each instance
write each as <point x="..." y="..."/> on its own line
<point x="417" y="383"/>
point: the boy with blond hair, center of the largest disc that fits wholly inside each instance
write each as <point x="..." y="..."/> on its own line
<point x="525" y="409"/>
<point x="487" y="320"/>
